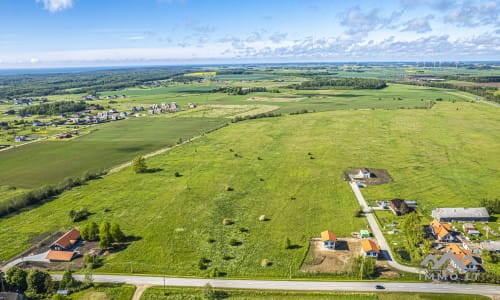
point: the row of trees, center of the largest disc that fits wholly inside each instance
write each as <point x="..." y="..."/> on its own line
<point x="417" y="245"/>
<point x="53" y="108"/>
<point x="107" y="233"/>
<point x="489" y="93"/>
<point x="351" y="83"/>
<point x="44" y="193"/>
<point x="238" y="90"/>
<point x="492" y="205"/>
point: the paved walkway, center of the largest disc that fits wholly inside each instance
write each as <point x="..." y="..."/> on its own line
<point x="38" y="257"/>
<point x="384" y="246"/>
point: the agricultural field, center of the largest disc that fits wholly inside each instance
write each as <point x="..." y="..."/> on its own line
<point x="197" y="293"/>
<point x="49" y="162"/>
<point x="105" y="292"/>
<point x="441" y="156"/>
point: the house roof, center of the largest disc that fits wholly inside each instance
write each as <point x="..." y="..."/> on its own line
<point x="397" y="203"/>
<point x="68" y="239"/>
<point x="60" y="255"/>
<point x="460" y="212"/>
<point x="440" y="229"/>
<point x="369" y="245"/>
<point x="328" y="235"/>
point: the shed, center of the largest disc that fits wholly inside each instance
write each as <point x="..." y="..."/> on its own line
<point x="364" y="233"/>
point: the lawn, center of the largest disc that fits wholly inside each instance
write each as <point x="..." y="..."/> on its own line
<point x="197" y="293"/>
<point x="442" y="156"/>
<point x="49" y="162"/>
<point x="105" y="292"/>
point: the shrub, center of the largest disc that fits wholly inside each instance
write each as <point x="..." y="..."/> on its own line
<point x="229" y="189"/>
<point x="139" y="165"/>
<point x="234" y="242"/>
<point x="177" y="174"/>
<point x="78" y="215"/>
<point x="288" y="243"/>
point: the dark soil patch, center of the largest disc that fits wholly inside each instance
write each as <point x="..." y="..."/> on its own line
<point x="377" y="176"/>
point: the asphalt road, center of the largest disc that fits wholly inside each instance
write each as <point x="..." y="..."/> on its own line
<point x="426" y="287"/>
<point x="384" y="246"/>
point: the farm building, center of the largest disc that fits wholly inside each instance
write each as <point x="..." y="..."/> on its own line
<point x="329" y="239"/>
<point x="470" y="229"/>
<point x="364" y="234"/>
<point x="67" y="241"/>
<point x="60" y="256"/>
<point x="441" y="231"/>
<point x="370" y="248"/>
<point x="461" y="214"/>
<point x="492" y="246"/>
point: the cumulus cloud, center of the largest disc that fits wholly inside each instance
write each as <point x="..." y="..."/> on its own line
<point x="475" y="14"/>
<point x="419" y="25"/>
<point x="358" y="21"/>
<point x="278" y="37"/>
<point x="56" y="5"/>
<point x="437" y="4"/>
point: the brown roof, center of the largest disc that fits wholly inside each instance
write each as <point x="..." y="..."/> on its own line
<point x="440" y="229"/>
<point x="369" y="245"/>
<point x="328" y="235"/>
<point x="68" y="239"/>
<point x="60" y="255"/>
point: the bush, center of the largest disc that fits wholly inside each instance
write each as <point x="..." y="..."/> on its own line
<point x="234" y="242"/>
<point x="78" y="215"/>
<point x="139" y="165"/>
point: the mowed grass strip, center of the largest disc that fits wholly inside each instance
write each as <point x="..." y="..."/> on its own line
<point x="49" y="162"/>
<point x="297" y="183"/>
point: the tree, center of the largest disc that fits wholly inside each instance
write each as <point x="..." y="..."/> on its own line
<point x="90" y="232"/>
<point x="139" y="165"/>
<point x="116" y="233"/>
<point x="16" y="278"/>
<point x="105" y="238"/>
<point x="208" y="292"/>
<point x="38" y="281"/>
<point x="67" y="281"/>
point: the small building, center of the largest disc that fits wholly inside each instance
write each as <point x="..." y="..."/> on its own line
<point x="491" y="246"/>
<point x="369" y="248"/>
<point x="461" y="214"/>
<point x="20" y="138"/>
<point x="364" y="234"/>
<point x="60" y="256"/>
<point x="470" y="229"/>
<point x="63" y="292"/>
<point x="11" y="296"/>
<point x="442" y="231"/>
<point x="399" y="207"/>
<point x="329" y="239"/>
<point x="362" y="174"/>
<point x="67" y="241"/>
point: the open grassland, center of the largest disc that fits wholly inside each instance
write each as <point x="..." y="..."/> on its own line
<point x="105" y="292"/>
<point x="439" y="157"/>
<point x="49" y="162"/>
<point x="197" y="293"/>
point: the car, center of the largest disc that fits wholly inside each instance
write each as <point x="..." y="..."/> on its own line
<point x="379" y="287"/>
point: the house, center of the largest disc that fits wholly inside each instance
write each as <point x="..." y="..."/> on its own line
<point x="369" y="248"/>
<point x="470" y="229"/>
<point x="491" y="246"/>
<point x="399" y="207"/>
<point x="329" y="239"/>
<point x="60" y="256"/>
<point x="362" y="174"/>
<point x="442" y="231"/>
<point x="464" y="261"/>
<point x="67" y="241"/>
<point x="20" y="138"/>
<point x="364" y="234"/>
<point x="461" y="214"/>
<point x="461" y="262"/>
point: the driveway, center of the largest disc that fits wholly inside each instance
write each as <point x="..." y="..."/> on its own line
<point x="38" y="258"/>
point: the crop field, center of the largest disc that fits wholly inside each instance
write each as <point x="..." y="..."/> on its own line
<point x="288" y="168"/>
<point x="49" y="162"/>
<point x="194" y="293"/>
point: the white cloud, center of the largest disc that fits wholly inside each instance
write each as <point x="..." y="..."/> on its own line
<point x="56" y="5"/>
<point x="358" y="21"/>
<point x="419" y="25"/>
<point x="34" y="60"/>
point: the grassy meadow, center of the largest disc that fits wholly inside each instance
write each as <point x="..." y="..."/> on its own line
<point x="287" y="168"/>
<point x="197" y="293"/>
<point x="105" y="292"/>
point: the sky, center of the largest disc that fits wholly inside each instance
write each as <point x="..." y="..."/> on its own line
<point x="68" y="33"/>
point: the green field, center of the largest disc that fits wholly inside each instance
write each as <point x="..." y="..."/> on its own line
<point x="193" y="293"/>
<point x="49" y="162"/>
<point x="105" y="292"/>
<point x="442" y="156"/>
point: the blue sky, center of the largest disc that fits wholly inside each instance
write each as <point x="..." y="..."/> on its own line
<point x="55" y="33"/>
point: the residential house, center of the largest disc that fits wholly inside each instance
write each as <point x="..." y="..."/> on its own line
<point x="329" y="239"/>
<point x="60" y="256"/>
<point x="464" y="261"/>
<point x="362" y="174"/>
<point x="67" y="241"/>
<point x="399" y="207"/>
<point x="470" y="229"/>
<point x="461" y="214"/>
<point x="442" y="231"/>
<point x="461" y="262"/>
<point x="369" y="248"/>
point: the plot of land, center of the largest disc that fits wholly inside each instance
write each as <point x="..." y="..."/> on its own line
<point x="276" y="99"/>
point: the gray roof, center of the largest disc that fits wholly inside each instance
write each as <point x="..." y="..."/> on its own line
<point x="460" y="212"/>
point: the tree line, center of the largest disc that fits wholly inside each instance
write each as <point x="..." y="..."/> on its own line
<point x="351" y="83"/>
<point x="53" y="108"/>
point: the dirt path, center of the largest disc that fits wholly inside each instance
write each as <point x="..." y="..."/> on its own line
<point x="151" y="154"/>
<point x="139" y="290"/>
